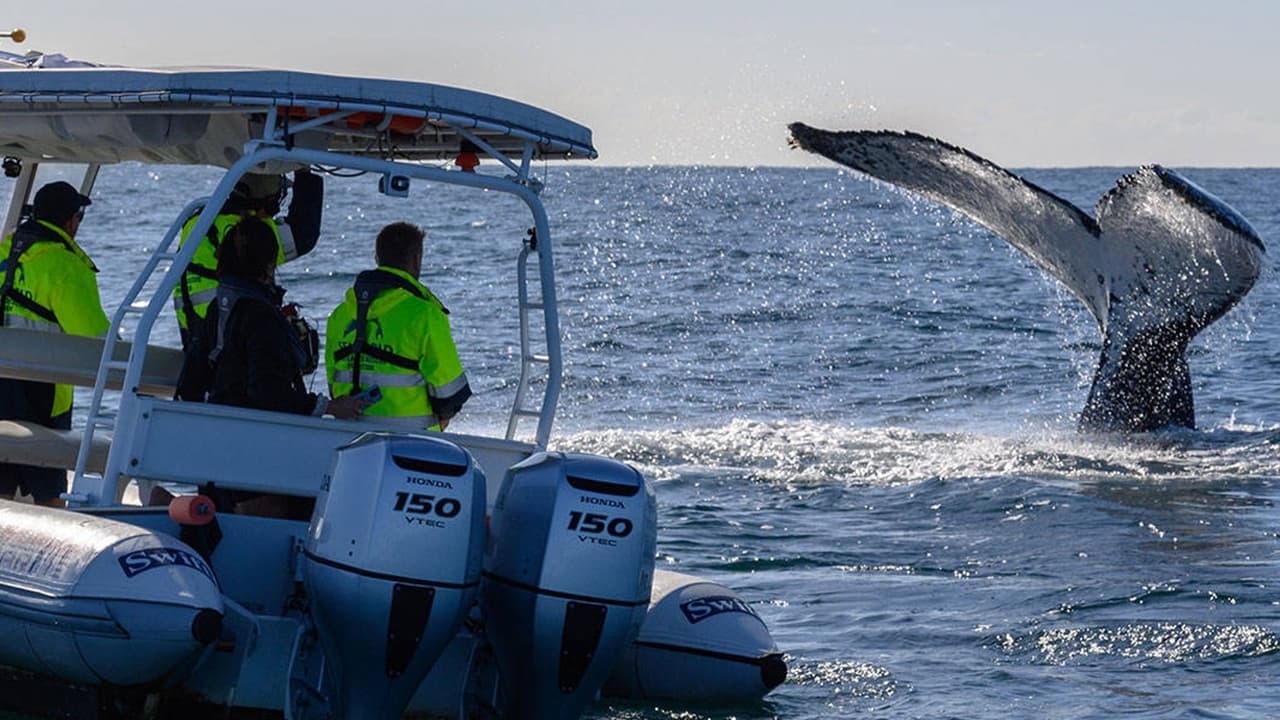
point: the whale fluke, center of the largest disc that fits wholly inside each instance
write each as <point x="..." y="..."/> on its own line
<point x="1159" y="261"/>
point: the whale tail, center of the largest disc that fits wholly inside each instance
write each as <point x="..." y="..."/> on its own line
<point x="1159" y="261"/>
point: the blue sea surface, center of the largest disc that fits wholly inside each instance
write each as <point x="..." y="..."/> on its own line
<point x="858" y="410"/>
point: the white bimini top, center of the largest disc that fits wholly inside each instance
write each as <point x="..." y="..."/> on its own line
<point x="56" y="109"/>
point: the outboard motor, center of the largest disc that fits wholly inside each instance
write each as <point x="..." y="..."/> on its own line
<point x="568" y="571"/>
<point x="393" y="565"/>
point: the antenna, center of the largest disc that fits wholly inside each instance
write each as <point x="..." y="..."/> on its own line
<point x="17" y="35"/>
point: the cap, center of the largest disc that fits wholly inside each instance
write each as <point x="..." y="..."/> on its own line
<point x="57" y="201"/>
<point x="259" y="187"/>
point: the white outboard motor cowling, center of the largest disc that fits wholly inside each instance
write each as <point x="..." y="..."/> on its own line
<point x="393" y="565"/>
<point x="568" y="571"/>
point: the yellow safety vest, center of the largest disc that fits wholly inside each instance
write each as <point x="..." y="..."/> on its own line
<point x="54" y="288"/>
<point x="408" y="352"/>
<point x="199" y="284"/>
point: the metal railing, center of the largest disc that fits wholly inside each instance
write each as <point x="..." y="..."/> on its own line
<point x="91" y="490"/>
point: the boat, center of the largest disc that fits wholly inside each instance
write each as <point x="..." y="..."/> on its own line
<point x="441" y="574"/>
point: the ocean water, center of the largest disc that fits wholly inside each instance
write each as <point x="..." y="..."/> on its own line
<point x="858" y="410"/>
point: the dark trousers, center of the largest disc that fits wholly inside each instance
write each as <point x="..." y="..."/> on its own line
<point x="33" y="402"/>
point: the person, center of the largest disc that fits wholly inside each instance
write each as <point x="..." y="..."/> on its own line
<point x="49" y="284"/>
<point x="253" y="196"/>
<point x="391" y="332"/>
<point x="246" y="352"/>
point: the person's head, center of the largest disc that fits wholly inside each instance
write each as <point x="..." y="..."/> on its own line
<point x="61" y="204"/>
<point x="258" y="194"/>
<point x="249" y="251"/>
<point x="399" y="245"/>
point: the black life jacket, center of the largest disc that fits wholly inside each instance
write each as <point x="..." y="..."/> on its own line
<point x="200" y="364"/>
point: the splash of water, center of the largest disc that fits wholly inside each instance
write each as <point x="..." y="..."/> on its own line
<point x="813" y="453"/>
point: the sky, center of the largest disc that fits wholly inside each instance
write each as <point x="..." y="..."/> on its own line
<point x="1025" y="83"/>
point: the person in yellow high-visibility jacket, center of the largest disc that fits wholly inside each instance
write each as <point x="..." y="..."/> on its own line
<point x="49" y="284"/>
<point x="253" y="196"/>
<point x="391" y="332"/>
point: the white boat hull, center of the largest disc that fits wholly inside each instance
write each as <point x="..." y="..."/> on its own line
<point x="75" y="616"/>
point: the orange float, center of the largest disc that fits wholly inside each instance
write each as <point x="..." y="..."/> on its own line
<point x="191" y="510"/>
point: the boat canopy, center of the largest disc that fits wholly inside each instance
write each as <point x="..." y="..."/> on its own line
<point x="53" y="109"/>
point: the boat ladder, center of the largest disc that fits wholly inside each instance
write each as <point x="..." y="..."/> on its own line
<point x="533" y="364"/>
<point x="98" y="418"/>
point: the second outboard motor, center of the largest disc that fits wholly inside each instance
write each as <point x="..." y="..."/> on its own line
<point x="568" y="572"/>
<point x="393" y="565"/>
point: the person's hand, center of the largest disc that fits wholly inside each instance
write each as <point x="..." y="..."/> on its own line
<point x="345" y="407"/>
